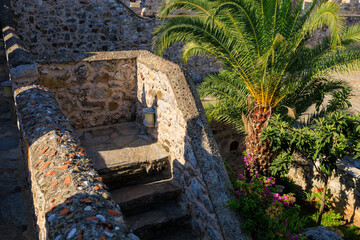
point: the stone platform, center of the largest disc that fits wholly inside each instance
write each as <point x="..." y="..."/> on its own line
<point x="124" y="152"/>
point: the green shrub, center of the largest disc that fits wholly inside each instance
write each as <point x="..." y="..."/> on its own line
<point x="329" y="139"/>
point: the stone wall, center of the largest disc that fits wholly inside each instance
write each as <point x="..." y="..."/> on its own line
<point x="182" y="128"/>
<point x="170" y="131"/>
<point x="93" y="93"/>
<point x="230" y="143"/>
<point x="344" y="184"/>
<point x="151" y="7"/>
<point x="58" y="29"/>
<point x="70" y="199"/>
<point x="21" y="62"/>
<point x="349" y="7"/>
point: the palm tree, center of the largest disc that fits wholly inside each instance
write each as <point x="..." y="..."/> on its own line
<point x="267" y="58"/>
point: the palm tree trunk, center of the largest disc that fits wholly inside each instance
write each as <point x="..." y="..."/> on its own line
<point x="259" y="150"/>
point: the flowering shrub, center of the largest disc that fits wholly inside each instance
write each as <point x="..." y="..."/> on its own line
<point x="268" y="213"/>
<point x="317" y="195"/>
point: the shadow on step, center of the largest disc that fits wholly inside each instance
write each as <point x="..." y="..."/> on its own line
<point x="123" y="154"/>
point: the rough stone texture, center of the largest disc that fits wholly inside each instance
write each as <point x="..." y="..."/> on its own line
<point x="16" y="211"/>
<point x="231" y="145"/>
<point x="24" y="71"/>
<point x="344" y="185"/>
<point x="349" y="7"/>
<point x="16" y="50"/>
<point x="63" y="179"/>
<point x="320" y="233"/>
<point x="151" y="7"/>
<point x="58" y="29"/>
<point x="93" y="93"/>
<point x="181" y="127"/>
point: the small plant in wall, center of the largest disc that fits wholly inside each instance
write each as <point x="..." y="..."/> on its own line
<point x="324" y="143"/>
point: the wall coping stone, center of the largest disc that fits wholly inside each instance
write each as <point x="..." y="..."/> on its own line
<point x="70" y="199"/>
<point x="24" y="71"/>
<point x="93" y="56"/>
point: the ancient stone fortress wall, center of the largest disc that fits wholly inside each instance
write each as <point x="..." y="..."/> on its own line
<point x="70" y="199"/>
<point x="181" y="126"/>
<point x="56" y="29"/>
<point x="349" y="7"/>
<point x="149" y="7"/>
<point x="93" y="93"/>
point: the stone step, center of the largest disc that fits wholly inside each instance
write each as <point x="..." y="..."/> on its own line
<point x="143" y="197"/>
<point x="131" y="166"/>
<point x="4" y="76"/>
<point x="157" y="221"/>
<point x="3" y="68"/>
<point x="124" y="155"/>
<point x="177" y="234"/>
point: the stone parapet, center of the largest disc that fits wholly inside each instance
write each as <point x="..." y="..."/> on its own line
<point x="182" y="128"/>
<point x="70" y="200"/>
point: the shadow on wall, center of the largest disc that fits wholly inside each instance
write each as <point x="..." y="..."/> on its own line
<point x="344" y="186"/>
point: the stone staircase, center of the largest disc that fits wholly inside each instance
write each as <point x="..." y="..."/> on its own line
<point x="138" y="172"/>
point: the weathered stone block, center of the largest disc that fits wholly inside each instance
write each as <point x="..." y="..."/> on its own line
<point x="100" y="93"/>
<point x="24" y="71"/>
<point x="69" y="106"/>
<point x="81" y="73"/>
<point x="98" y="104"/>
<point x="101" y="77"/>
<point x="113" y="106"/>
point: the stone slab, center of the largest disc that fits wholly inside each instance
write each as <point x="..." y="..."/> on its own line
<point x="142" y="190"/>
<point x="143" y="197"/>
<point x="8" y="182"/>
<point x="12" y="208"/>
<point x="170" y="212"/>
<point x="9" y="165"/>
<point x="127" y="146"/>
<point x="109" y="156"/>
<point x="8" y="143"/>
<point x="24" y="71"/>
